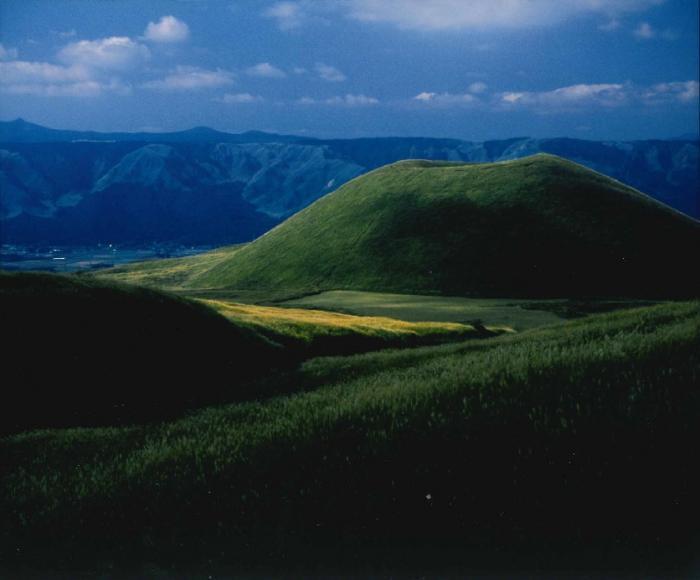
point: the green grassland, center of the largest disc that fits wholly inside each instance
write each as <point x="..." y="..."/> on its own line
<point x="170" y="273"/>
<point x="535" y="227"/>
<point x="519" y="314"/>
<point x="561" y="435"/>
<point x="86" y="347"/>
<point x="317" y="332"/>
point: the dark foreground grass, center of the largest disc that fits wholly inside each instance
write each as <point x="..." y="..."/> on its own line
<point x="577" y="440"/>
<point x="81" y="351"/>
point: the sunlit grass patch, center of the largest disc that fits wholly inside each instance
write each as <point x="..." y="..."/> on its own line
<point x="324" y="332"/>
<point x="169" y="273"/>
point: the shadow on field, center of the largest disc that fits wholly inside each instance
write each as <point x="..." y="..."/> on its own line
<point x="85" y="352"/>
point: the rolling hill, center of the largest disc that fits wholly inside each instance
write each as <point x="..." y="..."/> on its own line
<point x="82" y="351"/>
<point x="539" y="226"/>
<point x="85" y="352"/>
<point x="566" y="446"/>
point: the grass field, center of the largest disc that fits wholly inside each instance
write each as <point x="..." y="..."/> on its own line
<point x="126" y="337"/>
<point x="319" y="332"/>
<point x="518" y="314"/>
<point x="559" y="436"/>
<point x="170" y="273"/>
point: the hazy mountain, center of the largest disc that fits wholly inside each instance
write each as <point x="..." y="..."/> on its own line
<point x="204" y="186"/>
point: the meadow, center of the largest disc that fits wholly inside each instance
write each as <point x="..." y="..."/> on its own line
<point x="86" y="347"/>
<point x="518" y="314"/>
<point x="311" y="332"/>
<point x="558" y="440"/>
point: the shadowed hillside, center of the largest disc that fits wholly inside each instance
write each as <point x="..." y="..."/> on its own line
<point x="86" y="352"/>
<point x="574" y="444"/>
<point x="540" y="226"/>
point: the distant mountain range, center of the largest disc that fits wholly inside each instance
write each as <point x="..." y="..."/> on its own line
<point x="207" y="187"/>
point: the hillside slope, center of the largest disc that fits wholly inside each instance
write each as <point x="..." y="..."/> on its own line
<point x="540" y="226"/>
<point x="84" y="352"/>
<point x="562" y="441"/>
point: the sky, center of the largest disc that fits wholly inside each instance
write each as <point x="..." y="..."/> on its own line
<point x="467" y="69"/>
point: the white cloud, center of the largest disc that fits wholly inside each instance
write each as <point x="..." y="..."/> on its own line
<point x="50" y="80"/>
<point x="113" y="53"/>
<point x="425" y="97"/>
<point x="685" y="92"/>
<point x="79" y="89"/>
<point x="446" y="99"/>
<point x="240" y="98"/>
<point x="478" y="87"/>
<point x="167" y="30"/>
<point x="345" y="100"/>
<point x="266" y="70"/>
<point x="329" y="73"/>
<point x="602" y="95"/>
<point x="353" y="100"/>
<point x="644" y="31"/>
<point x="188" y="78"/>
<point x="462" y="14"/>
<point x="566" y="97"/>
<point x="7" y="53"/>
<point x="20" y="71"/>
<point x="289" y="15"/>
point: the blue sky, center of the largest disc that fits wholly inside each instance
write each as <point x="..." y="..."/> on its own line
<point x="470" y="69"/>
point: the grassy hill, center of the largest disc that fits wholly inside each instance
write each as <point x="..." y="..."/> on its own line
<point x="86" y="352"/>
<point x="82" y="351"/>
<point x="532" y="443"/>
<point x="539" y="226"/>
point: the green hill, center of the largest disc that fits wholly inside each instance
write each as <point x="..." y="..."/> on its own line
<point x="539" y="226"/>
<point x="84" y="352"/>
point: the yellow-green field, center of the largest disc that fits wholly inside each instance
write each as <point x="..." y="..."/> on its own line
<point x="514" y="313"/>
<point x="170" y="273"/>
<point x="311" y="326"/>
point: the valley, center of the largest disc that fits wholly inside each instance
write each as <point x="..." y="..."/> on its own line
<point x="79" y="258"/>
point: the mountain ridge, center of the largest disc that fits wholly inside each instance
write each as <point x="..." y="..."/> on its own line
<point x="52" y="192"/>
